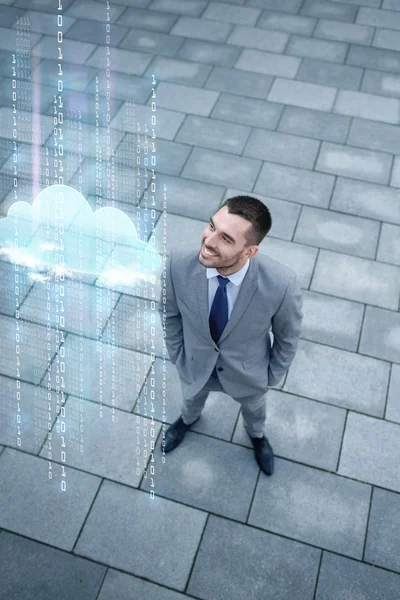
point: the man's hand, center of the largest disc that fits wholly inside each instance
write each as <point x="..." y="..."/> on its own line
<point x="267" y="389"/>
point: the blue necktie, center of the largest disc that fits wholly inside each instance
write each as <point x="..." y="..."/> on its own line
<point x="219" y="312"/>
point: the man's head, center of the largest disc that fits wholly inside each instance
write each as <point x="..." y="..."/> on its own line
<point x="234" y="233"/>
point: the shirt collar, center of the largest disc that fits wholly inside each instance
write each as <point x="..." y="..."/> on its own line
<point x="236" y="278"/>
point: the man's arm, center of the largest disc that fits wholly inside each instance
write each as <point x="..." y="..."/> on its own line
<point x="172" y="318"/>
<point x="286" y="327"/>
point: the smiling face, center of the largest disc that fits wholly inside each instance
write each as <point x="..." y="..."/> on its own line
<point x="225" y="238"/>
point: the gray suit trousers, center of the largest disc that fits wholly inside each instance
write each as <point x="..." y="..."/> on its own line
<point x="253" y="407"/>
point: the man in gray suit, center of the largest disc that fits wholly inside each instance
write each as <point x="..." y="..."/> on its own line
<point x="218" y="305"/>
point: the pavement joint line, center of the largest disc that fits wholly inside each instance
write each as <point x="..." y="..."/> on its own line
<point x="367" y="523"/>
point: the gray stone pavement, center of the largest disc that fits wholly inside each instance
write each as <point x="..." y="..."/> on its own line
<point x="298" y="103"/>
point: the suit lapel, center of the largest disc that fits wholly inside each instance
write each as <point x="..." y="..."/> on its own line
<point x="247" y="289"/>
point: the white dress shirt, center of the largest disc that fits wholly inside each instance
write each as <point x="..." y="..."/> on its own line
<point x="232" y="287"/>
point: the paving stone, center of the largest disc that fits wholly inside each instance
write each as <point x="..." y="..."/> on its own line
<point x="182" y="7"/>
<point x="219" y="477"/>
<point x="32" y="503"/>
<point x="33" y="161"/>
<point x="24" y="99"/>
<point x="370" y="451"/>
<point x="148" y="19"/>
<point x="389" y="244"/>
<point x="290" y="6"/>
<point x="42" y="22"/>
<point x="33" y="307"/>
<point x="330" y="74"/>
<point x="9" y="15"/>
<point x="72" y="51"/>
<point x="268" y="63"/>
<point x="298" y="185"/>
<point x="386" y="345"/>
<point x="242" y="15"/>
<point x="16" y="283"/>
<point x="344" y="32"/>
<point x="253" y="37"/>
<point x="8" y="41"/>
<point x="94" y="31"/>
<point x="214" y="134"/>
<point x="356" y="163"/>
<point x="249" y="111"/>
<point x="115" y="536"/>
<point x="295" y="256"/>
<point x="125" y="587"/>
<point x="102" y="437"/>
<point x="186" y="197"/>
<point x="219" y="573"/>
<point x="167" y="121"/>
<point x="376" y="136"/>
<point x="357" y="279"/>
<point x="75" y="77"/>
<point x="91" y="139"/>
<point x="81" y="106"/>
<point x="33" y="355"/>
<point x="301" y="429"/>
<point x="374" y="58"/>
<point x="221" y="168"/>
<point x="29" y="569"/>
<point x="331" y="320"/>
<point x="379" y="18"/>
<point x="235" y="81"/>
<point x="126" y="333"/>
<point x="170" y="156"/>
<point x="284" y="214"/>
<point x="182" y="230"/>
<point x="217" y="419"/>
<point x="323" y="9"/>
<point x="368" y="106"/>
<point x="284" y="22"/>
<point x="335" y="231"/>
<point x="307" y="95"/>
<point x="122" y="372"/>
<point x="35" y="414"/>
<point x="393" y="403"/>
<point x="209" y="52"/>
<point x="382" y="84"/>
<point x="387" y="38"/>
<point x="314" y="124"/>
<point x="350" y="578"/>
<point x="282" y="148"/>
<point x="339" y="377"/>
<point x="367" y="199"/>
<point x="185" y="98"/>
<point x="26" y="130"/>
<point x="124" y="61"/>
<point x="151" y="41"/>
<point x="213" y="31"/>
<point x="395" y="179"/>
<point x="389" y="4"/>
<point x="382" y="546"/>
<point x="179" y="71"/>
<point x="314" y="48"/>
<point x="45" y="5"/>
<point x="89" y="9"/>
<point x="330" y="512"/>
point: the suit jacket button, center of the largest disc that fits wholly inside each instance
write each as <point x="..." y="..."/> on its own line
<point x="220" y="369"/>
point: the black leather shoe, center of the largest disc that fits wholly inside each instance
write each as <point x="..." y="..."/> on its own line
<point x="264" y="454"/>
<point x="175" y="434"/>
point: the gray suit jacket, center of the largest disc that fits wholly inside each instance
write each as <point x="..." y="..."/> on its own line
<point x="269" y="297"/>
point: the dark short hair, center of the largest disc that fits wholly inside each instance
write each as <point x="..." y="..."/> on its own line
<point x="252" y="210"/>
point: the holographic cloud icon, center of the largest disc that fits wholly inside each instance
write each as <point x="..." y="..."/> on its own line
<point x="60" y="230"/>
